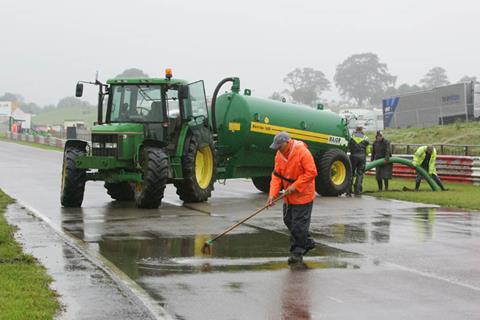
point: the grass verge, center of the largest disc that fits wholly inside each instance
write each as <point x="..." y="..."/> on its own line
<point x="33" y="144"/>
<point x="24" y="283"/>
<point x="458" y="133"/>
<point x="458" y="195"/>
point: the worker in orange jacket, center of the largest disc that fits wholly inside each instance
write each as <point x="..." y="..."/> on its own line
<point x="295" y="171"/>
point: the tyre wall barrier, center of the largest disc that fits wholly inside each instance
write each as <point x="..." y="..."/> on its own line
<point x="459" y="169"/>
<point x="51" y="141"/>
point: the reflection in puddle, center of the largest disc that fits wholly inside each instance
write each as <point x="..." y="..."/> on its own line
<point x="376" y="231"/>
<point x="296" y="296"/>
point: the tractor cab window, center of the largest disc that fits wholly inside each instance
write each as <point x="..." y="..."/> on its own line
<point x="197" y="99"/>
<point x="137" y="103"/>
<point x="173" y="107"/>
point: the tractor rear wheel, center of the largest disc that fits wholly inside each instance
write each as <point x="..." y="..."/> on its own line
<point x="334" y="173"/>
<point x="122" y="191"/>
<point x="149" y="192"/>
<point x="198" y="172"/>
<point x="73" y="179"/>
<point x="262" y="183"/>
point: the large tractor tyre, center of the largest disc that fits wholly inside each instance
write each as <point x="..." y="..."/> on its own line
<point x="198" y="172"/>
<point x="122" y="191"/>
<point x="73" y="179"/>
<point x="149" y="192"/>
<point x="262" y="183"/>
<point x="334" y="173"/>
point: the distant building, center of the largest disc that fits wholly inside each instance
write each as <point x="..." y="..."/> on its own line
<point x="10" y="114"/>
<point x="441" y="105"/>
<point x="369" y="119"/>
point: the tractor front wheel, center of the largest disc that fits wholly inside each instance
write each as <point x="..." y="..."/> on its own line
<point x="149" y="192"/>
<point x="334" y="173"/>
<point x="121" y="191"/>
<point x="198" y="172"/>
<point x="262" y="183"/>
<point x="73" y="179"/>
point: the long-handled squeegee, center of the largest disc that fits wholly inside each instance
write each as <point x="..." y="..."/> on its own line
<point x="206" y="249"/>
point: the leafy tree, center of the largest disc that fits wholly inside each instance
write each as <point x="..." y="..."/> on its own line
<point x="69" y="102"/>
<point x="276" y="96"/>
<point x="435" y="77"/>
<point x="406" y="88"/>
<point x="132" y="73"/>
<point x="306" y="84"/>
<point x="8" y="96"/>
<point x="362" y="77"/>
<point x="31" y="108"/>
<point x="468" y="79"/>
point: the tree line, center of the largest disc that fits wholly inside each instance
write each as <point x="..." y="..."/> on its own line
<point x="66" y="102"/>
<point x="361" y="78"/>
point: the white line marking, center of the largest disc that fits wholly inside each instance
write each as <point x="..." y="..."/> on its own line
<point x="335" y="299"/>
<point x="433" y="276"/>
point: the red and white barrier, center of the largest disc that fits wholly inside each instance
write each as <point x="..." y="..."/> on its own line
<point x="51" y="141"/>
<point x="460" y="169"/>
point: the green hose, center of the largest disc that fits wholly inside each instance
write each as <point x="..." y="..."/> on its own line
<point x="408" y="163"/>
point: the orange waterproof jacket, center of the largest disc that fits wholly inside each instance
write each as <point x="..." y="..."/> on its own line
<point x="297" y="165"/>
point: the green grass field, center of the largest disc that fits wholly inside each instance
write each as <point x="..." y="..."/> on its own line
<point x="458" y="133"/>
<point x="24" y="283"/>
<point x="33" y="144"/>
<point x="458" y="195"/>
<point x="58" y="116"/>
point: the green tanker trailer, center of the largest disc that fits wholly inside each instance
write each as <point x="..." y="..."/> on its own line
<point x="244" y="127"/>
<point x="158" y="131"/>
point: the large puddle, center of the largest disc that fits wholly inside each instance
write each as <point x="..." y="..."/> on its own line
<point x="257" y="251"/>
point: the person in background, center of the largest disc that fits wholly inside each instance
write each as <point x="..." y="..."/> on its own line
<point x="359" y="147"/>
<point x="381" y="149"/>
<point x="426" y="157"/>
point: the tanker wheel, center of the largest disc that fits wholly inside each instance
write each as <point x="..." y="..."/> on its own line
<point x="334" y="173"/>
<point x="149" y="192"/>
<point x="122" y="191"/>
<point x="73" y="179"/>
<point x="262" y="183"/>
<point x="198" y="172"/>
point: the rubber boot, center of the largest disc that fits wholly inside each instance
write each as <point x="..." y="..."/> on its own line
<point x="385" y="182"/>
<point x="417" y="185"/>
<point x="379" y="183"/>
<point x="438" y="181"/>
<point x="358" y="184"/>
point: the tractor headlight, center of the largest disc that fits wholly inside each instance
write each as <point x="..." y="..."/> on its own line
<point x="96" y="145"/>
<point x="110" y="145"/>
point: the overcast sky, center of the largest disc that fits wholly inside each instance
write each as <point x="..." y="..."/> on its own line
<point x="46" y="46"/>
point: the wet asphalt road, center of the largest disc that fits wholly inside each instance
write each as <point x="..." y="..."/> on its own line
<point x="375" y="259"/>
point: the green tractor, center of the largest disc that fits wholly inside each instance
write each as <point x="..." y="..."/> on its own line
<point x="158" y="131"/>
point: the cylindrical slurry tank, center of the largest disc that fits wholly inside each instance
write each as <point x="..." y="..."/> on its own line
<point x="249" y="123"/>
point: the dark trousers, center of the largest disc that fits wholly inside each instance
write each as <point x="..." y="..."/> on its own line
<point x="297" y="219"/>
<point x="380" y="186"/>
<point x="358" y="168"/>
<point x="418" y="180"/>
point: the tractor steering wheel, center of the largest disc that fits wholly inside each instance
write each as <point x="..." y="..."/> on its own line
<point x="144" y="109"/>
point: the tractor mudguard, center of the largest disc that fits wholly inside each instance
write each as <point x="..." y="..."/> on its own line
<point x="81" y="144"/>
